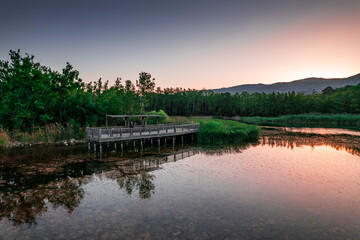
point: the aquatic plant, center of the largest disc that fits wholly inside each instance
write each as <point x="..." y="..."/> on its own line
<point x="335" y="120"/>
<point x="216" y="131"/>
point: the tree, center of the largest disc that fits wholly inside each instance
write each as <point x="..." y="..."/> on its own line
<point x="145" y="85"/>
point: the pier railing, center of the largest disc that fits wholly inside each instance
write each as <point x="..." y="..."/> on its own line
<point x="104" y="134"/>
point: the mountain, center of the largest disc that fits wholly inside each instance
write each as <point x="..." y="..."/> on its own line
<point x="307" y="85"/>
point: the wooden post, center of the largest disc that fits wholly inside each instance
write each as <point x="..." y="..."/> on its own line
<point x="89" y="147"/>
<point x="100" y="147"/>
<point x="94" y="146"/>
<point x="122" y="146"/>
<point x="141" y="143"/>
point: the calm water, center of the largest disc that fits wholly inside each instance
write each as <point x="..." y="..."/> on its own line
<point x="286" y="186"/>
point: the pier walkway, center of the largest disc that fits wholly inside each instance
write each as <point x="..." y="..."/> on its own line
<point x="116" y="134"/>
<point x="119" y="134"/>
<point x="143" y="131"/>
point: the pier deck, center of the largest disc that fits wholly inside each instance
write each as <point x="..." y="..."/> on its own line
<point x="117" y="134"/>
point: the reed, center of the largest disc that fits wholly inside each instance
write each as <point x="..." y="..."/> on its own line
<point x="216" y="131"/>
<point x="51" y="133"/>
<point x="4" y="138"/>
<point x="324" y="120"/>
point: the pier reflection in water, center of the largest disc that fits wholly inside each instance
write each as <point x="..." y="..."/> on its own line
<point x="283" y="186"/>
<point x="40" y="176"/>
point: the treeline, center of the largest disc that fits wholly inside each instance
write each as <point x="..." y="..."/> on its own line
<point x="342" y="100"/>
<point x="32" y="95"/>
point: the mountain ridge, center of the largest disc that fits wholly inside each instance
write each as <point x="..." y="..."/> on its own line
<point x="306" y="85"/>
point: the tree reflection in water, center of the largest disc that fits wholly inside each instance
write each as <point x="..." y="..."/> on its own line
<point x="277" y="138"/>
<point x="27" y="190"/>
<point x="39" y="178"/>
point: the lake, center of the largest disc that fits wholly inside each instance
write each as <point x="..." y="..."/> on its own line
<point x="288" y="185"/>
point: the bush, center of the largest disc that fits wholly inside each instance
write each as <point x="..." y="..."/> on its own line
<point x="163" y="119"/>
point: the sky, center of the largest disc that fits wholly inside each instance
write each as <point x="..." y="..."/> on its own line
<point x="189" y="44"/>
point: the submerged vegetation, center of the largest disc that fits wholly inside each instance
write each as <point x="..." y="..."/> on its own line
<point x="330" y="120"/>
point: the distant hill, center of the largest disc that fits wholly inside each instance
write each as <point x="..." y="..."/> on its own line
<point x="307" y="85"/>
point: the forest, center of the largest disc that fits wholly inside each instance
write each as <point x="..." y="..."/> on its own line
<point x="33" y="95"/>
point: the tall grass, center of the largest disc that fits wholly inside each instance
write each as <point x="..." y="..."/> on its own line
<point x="326" y="120"/>
<point x="49" y="134"/>
<point x="226" y="131"/>
<point x="4" y="138"/>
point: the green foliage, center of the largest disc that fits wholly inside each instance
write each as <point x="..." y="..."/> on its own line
<point x="34" y="97"/>
<point x="163" y="119"/>
<point x="193" y="103"/>
<point x="226" y="131"/>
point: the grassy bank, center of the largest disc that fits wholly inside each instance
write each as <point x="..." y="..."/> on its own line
<point x="318" y="120"/>
<point x="57" y="133"/>
<point x="53" y="133"/>
<point x="216" y="131"/>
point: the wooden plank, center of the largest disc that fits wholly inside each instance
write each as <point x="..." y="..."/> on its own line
<point x="102" y="134"/>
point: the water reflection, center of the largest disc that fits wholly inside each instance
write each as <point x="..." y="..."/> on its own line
<point x="288" y="139"/>
<point x="252" y="191"/>
<point x="30" y="182"/>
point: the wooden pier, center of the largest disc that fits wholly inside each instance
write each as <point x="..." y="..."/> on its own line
<point x="119" y="134"/>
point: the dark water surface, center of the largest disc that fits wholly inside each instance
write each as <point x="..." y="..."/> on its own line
<point x="286" y="186"/>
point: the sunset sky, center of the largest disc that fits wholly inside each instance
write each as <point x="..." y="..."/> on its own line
<point x="191" y="44"/>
